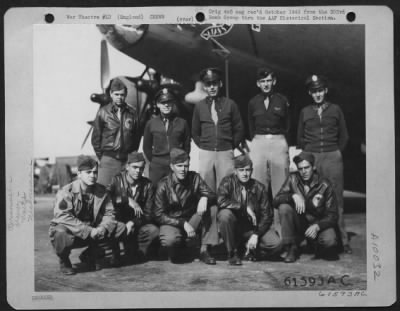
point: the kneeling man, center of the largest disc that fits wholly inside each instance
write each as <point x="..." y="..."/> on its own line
<point x="184" y="204"/>
<point x="307" y="209"/>
<point x="246" y="214"/>
<point x="132" y="196"/>
<point x="83" y="216"/>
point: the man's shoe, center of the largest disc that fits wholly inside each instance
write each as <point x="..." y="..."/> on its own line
<point x="66" y="266"/>
<point x="89" y="260"/>
<point x="234" y="259"/>
<point x="207" y="258"/>
<point x="250" y="257"/>
<point x="115" y="261"/>
<point x="347" y="249"/>
<point x="291" y="254"/>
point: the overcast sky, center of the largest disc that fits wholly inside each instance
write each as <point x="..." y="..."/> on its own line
<point x="66" y="72"/>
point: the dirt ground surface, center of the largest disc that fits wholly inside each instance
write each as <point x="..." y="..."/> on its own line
<point x="347" y="273"/>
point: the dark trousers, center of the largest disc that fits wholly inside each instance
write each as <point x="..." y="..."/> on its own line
<point x="140" y="240"/>
<point x="64" y="241"/>
<point x="235" y="232"/>
<point x="294" y="226"/>
<point x="172" y="237"/>
<point x="159" y="167"/>
<point x="330" y="166"/>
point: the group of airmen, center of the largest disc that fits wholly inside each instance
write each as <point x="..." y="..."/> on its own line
<point x="252" y="202"/>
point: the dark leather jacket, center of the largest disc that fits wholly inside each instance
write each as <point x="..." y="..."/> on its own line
<point x="320" y="199"/>
<point x="120" y="191"/>
<point x="176" y="202"/>
<point x="114" y="137"/>
<point x="229" y="196"/>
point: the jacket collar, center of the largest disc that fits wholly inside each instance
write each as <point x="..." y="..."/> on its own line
<point x="314" y="181"/>
<point x="114" y="107"/>
<point x="210" y="99"/>
<point x="324" y="106"/>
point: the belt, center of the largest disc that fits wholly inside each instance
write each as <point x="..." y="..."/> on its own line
<point x="269" y="136"/>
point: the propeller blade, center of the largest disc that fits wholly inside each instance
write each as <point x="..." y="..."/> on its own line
<point x="104" y="65"/>
<point x="87" y="136"/>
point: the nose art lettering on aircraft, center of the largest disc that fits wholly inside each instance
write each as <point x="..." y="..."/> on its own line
<point x="216" y="31"/>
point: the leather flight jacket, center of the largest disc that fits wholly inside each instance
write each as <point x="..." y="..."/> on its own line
<point x="175" y="201"/>
<point x="120" y="191"/>
<point x="112" y="136"/>
<point x="230" y="197"/>
<point x="320" y="199"/>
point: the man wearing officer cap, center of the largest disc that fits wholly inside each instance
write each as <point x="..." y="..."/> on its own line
<point x="83" y="216"/>
<point x="268" y="118"/>
<point x="115" y="133"/>
<point x="246" y="215"/>
<point x="322" y="131"/>
<point x="217" y="129"/>
<point x="307" y="209"/>
<point x="185" y="205"/>
<point x="132" y="196"/>
<point x="163" y="133"/>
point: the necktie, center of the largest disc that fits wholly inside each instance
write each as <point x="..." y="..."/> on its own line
<point x="214" y="115"/>
<point x="319" y="111"/>
<point x="244" y="197"/>
<point x="166" y="123"/>
<point x="306" y="189"/>
<point x="266" y="102"/>
<point x="119" y="113"/>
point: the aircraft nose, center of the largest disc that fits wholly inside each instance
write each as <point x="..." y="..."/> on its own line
<point x="121" y="36"/>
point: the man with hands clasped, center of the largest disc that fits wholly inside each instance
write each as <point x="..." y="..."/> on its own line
<point x="246" y="215"/>
<point x="307" y="209"/>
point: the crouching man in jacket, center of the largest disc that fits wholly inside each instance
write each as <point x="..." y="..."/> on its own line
<point x="132" y="196"/>
<point x="83" y="216"/>
<point x="184" y="205"/>
<point x="246" y="215"/>
<point x="307" y="209"/>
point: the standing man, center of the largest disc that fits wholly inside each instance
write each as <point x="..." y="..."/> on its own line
<point x="115" y="133"/>
<point x="246" y="214"/>
<point x="322" y="131"/>
<point x="83" y="216"/>
<point x="307" y="208"/>
<point x="217" y="129"/>
<point x="268" y="118"/>
<point x="184" y="205"/>
<point x="132" y="196"/>
<point x="163" y="133"/>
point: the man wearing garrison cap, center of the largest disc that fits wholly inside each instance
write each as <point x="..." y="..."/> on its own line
<point x="308" y="210"/>
<point x="115" y="133"/>
<point x="163" y="133"/>
<point x="83" y="216"/>
<point x="322" y="131"/>
<point x="246" y="215"/>
<point x="185" y="206"/>
<point x="132" y="196"/>
<point x="217" y="129"/>
<point x="268" y="119"/>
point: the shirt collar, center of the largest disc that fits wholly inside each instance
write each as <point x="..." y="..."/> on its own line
<point x="324" y="106"/>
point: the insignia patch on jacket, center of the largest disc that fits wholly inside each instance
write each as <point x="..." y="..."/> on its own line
<point x="129" y="124"/>
<point x="62" y="205"/>
<point x="317" y="200"/>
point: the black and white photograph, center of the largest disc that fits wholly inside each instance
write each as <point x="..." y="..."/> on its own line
<point x="222" y="154"/>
